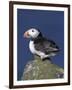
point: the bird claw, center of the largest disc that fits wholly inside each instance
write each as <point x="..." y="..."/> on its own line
<point x="47" y="58"/>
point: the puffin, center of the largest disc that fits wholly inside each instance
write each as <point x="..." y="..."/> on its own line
<point x="40" y="45"/>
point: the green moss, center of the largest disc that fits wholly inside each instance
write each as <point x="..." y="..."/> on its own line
<point x="38" y="69"/>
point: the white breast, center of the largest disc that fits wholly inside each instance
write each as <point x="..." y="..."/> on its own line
<point x="34" y="51"/>
<point x="31" y="47"/>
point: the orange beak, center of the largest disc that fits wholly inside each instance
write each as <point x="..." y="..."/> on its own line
<point x="26" y="34"/>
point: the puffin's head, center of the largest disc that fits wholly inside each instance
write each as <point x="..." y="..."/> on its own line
<point x="31" y="33"/>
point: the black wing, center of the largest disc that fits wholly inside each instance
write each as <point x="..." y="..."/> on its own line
<point x="46" y="46"/>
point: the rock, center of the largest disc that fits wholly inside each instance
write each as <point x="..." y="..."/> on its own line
<point x="38" y="69"/>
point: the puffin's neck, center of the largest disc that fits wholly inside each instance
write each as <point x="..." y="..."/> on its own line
<point x="37" y="38"/>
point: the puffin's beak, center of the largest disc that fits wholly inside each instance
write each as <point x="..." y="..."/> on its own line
<point x="26" y="34"/>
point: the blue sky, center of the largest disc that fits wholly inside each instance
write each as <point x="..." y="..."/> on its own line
<point x="50" y="23"/>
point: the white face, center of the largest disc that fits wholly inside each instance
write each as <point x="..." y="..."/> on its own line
<point x="31" y="33"/>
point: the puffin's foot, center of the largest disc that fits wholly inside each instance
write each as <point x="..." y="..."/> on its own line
<point x="46" y="58"/>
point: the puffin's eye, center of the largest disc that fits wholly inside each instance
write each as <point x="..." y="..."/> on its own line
<point x="32" y="30"/>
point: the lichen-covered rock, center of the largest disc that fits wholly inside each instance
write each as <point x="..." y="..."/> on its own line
<point x="38" y="69"/>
